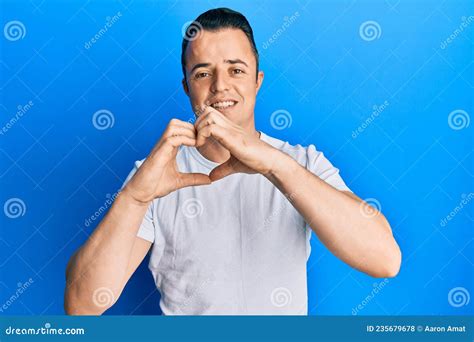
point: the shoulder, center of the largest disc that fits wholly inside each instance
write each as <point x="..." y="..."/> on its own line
<point x="302" y="154"/>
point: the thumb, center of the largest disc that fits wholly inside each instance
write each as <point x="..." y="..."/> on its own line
<point x="225" y="169"/>
<point x="192" y="179"/>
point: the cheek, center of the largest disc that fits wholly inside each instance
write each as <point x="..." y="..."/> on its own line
<point x="197" y="93"/>
<point x="242" y="88"/>
<point x="248" y="94"/>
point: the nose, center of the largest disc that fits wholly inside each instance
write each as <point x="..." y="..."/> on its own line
<point x="220" y="82"/>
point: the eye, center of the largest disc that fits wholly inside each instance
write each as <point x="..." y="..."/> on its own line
<point x="238" y="71"/>
<point x="201" y="75"/>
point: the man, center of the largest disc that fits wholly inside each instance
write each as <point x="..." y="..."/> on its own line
<point x="226" y="210"/>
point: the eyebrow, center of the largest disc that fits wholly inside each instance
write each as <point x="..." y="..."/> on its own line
<point x="229" y="61"/>
<point x="199" y="65"/>
<point x="235" y="61"/>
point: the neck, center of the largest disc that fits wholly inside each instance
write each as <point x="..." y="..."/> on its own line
<point x="216" y="152"/>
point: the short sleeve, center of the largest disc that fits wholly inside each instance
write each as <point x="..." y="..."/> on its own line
<point x="147" y="227"/>
<point x="318" y="164"/>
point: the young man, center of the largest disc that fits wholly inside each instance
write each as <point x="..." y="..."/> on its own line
<point x="226" y="210"/>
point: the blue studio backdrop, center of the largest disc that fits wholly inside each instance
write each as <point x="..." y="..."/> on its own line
<point x="383" y="88"/>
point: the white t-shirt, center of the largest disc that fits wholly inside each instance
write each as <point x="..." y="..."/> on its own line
<point x="234" y="247"/>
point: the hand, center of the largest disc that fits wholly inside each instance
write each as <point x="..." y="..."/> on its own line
<point x="159" y="175"/>
<point x="248" y="154"/>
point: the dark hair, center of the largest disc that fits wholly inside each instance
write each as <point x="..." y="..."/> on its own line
<point x="214" y="20"/>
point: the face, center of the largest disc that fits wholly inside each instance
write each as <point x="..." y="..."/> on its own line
<point x="221" y="72"/>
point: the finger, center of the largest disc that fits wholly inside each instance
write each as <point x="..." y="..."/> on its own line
<point x="180" y="130"/>
<point x="202" y="114"/>
<point x="215" y="131"/>
<point x="192" y="179"/>
<point x="178" y="140"/>
<point x="225" y="169"/>
<point x="200" y="110"/>
<point x="210" y="116"/>
<point x="211" y="119"/>
<point x="180" y="123"/>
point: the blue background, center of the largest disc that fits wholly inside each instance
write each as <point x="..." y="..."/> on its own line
<point x="319" y="69"/>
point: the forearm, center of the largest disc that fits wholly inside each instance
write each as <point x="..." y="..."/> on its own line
<point x="103" y="260"/>
<point x="364" y="242"/>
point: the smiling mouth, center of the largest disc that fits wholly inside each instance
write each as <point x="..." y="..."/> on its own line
<point x="223" y="104"/>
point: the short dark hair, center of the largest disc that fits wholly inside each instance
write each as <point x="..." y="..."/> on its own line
<point x="214" y="20"/>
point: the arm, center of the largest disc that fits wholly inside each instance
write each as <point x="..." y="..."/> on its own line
<point x="365" y="242"/>
<point x="98" y="272"/>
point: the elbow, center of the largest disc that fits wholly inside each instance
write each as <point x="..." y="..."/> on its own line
<point x="77" y="305"/>
<point x="79" y="300"/>
<point x="390" y="263"/>
<point x="79" y="311"/>
<point x="393" y="265"/>
<point x="390" y="257"/>
<point x="78" y="297"/>
<point x="71" y="303"/>
<point x="71" y="306"/>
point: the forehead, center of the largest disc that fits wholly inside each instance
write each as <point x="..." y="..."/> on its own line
<point x="216" y="46"/>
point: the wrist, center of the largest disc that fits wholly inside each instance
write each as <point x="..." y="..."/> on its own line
<point x="281" y="166"/>
<point x="130" y="195"/>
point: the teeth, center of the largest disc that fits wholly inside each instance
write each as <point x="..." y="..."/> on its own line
<point x="223" y="104"/>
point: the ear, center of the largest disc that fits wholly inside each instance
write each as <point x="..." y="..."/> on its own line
<point x="185" y="86"/>
<point x="259" y="81"/>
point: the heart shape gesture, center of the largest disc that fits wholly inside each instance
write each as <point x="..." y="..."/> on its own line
<point x="159" y="174"/>
<point x="248" y="154"/>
